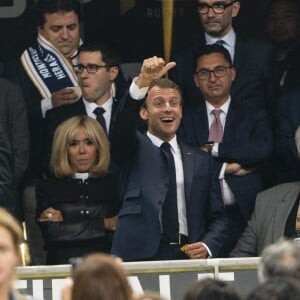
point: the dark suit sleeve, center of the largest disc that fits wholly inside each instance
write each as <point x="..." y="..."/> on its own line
<point x="6" y="173"/>
<point x="251" y="144"/>
<point x="287" y="121"/>
<point x="247" y="243"/>
<point x="217" y="228"/>
<point x="18" y="131"/>
<point x="123" y="137"/>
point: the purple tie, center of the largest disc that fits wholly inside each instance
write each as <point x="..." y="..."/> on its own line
<point x="216" y="128"/>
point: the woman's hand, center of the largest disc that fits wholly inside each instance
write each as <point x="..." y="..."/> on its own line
<point x="51" y="215"/>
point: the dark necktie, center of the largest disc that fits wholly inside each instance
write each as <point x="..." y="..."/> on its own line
<point x="99" y="111"/>
<point x="216" y="128"/>
<point x="169" y="210"/>
<point x="220" y="43"/>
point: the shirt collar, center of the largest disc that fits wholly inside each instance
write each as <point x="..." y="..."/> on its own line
<point x="224" y="107"/>
<point x="229" y="38"/>
<point x="90" y="106"/>
<point x="157" y="141"/>
<point x="82" y="176"/>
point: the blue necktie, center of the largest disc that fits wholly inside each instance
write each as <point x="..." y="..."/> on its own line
<point x="170" y="224"/>
<point x="99" y="111"/>
<point x="220" y="43"/>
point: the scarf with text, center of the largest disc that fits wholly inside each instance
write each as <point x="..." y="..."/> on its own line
<point x="48" y="69"/>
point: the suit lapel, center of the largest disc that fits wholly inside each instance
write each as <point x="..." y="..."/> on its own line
<point x="188" y="170"/>
<point x="200" y="123"/>
<point x="239" y="53"/>
<point x="282" y="212"/>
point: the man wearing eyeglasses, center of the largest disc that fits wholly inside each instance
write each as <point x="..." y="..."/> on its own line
<point x="239" y="138"/>
<point x="97" y="69"/>
<point x="254" y="60"/>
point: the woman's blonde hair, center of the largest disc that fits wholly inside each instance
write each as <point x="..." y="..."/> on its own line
<point x="11" y="224"/>
<point x="63" y="137"/>
<point x="101" y="277"/>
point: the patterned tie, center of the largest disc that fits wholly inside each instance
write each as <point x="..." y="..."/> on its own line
<point x="216" y="128"/>
<point x="99" y="111"/>
<point x="169" y="211"/>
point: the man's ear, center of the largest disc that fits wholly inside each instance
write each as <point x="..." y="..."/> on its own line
<point x="144" y="113"/>
<point x="113" y="71"/>
<point x="235" y="8"/>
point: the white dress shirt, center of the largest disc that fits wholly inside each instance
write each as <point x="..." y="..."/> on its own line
<point x="227" y="195"/>
<point x="183" y="229"/>
<point x="107" y="106"/>
<point x="229" y="39"/>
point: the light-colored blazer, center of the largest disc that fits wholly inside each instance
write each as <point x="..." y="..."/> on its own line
<point x="268" y="220"/>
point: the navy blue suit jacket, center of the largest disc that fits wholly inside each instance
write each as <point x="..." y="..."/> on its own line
<point x="247" y="140"/>
<point x="144" y="184"/>
<point x="287" y="121"/>
<point x="256" y="73"/>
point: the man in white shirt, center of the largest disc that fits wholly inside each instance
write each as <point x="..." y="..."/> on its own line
<point x="238" y="137"/>
<point x="254" y="60"/>
<point x="168" y="212"/>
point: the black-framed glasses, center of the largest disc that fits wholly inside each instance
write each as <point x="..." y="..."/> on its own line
<point x="91" y="68"/>
<point x="217" y="7"/>
<point x="220" y="71"/>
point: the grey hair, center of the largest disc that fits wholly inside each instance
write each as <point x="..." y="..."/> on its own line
<point x="280" y="259"/>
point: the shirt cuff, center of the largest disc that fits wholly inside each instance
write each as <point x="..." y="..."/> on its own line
<point x="215" y="150"/>
<point x="208" y="250"/>
<point x="222" y="172"/>
<point x="135" y="92"/>
<point x="46" y="104"/>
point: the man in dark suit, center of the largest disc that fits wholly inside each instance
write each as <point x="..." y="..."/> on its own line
<point x="97" y="69"/>
<point x="245" y="138"/>
<point x="255" y="81"/>
<point x="13" y="118"/>
<point x="287" y="136"/>
<point x="7" y="197"/>
<point x="57" y="24"/>
<point x="195" y="209"/>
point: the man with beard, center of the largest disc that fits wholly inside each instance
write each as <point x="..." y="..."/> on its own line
<point x="255" y="82"/>
<point x="283" y="29"/>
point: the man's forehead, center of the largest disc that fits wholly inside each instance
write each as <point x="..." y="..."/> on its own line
<point x="213" y="1"/>
<point x="91" y="55"/>
<point x="212" y="59"/>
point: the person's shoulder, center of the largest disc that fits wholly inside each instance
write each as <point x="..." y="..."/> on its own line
<point x="254" y="43"/>
<point x="281" y="190"/>
<point x="67" y="109"/>
<point x="189" y="48"/>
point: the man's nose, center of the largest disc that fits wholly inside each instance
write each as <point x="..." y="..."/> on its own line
<point x="64" y="33"/>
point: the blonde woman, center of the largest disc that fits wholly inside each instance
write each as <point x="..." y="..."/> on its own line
<point x="76" y="209"/>
<point x="11" y="238"/>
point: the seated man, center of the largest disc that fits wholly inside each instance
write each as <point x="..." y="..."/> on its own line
<point x="172" y="206"/>
<point x="275" y="215"/>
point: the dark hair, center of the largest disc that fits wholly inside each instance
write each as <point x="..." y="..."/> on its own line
<point x="164" y="83"/>
<point x="277" y="288"/>
<point x="210" y="49"/>
<point x="212" y="289"/>
<point x="110" y="54"/>
<point x="294" y="2"/>
<point x="52" y="6"/>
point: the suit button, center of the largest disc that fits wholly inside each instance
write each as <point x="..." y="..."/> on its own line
<point x="87" y="212"/>
<point x="81" y="197"/>
<point x="82" y="212"/>
<point x="86" y="197"/>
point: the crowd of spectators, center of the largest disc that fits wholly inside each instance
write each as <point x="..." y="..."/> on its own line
<point x="202" y="164"/>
